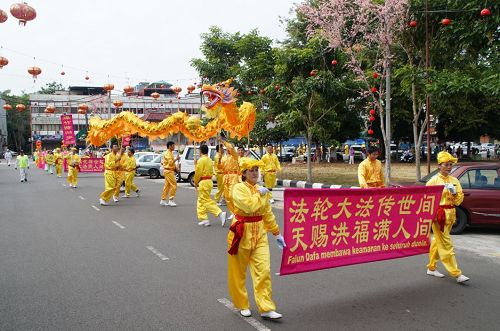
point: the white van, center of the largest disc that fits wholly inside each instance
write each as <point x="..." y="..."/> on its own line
<point x="187" y="161"/>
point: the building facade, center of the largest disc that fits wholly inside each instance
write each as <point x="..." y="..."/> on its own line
<point x="3" y="126"/>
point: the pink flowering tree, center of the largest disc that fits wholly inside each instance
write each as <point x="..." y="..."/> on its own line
<point x="358" y="27"/>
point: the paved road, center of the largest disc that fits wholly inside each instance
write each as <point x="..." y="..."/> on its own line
<point x="135" y="265"/>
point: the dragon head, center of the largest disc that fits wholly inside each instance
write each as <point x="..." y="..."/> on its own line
<point x="219" y="94"/>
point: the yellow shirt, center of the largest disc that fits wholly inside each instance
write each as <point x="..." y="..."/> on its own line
<point x="122" y="165"/>
<point x="168" y="161"/>
<point x="49" y="159"/>
<point x="218" y="164"/>
<point x="204" y="168"/>
<point x="448" y="199"/>
<point x="58" y="159"/>
<point x="230" y="162"/>
<point x="73" y="160"/>
<point x="110" y="163"/>
<point x="271" y="163"/>
<point x="370" y="174"/>
<point x="130" y="164"/>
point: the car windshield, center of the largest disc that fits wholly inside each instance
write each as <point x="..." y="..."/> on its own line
<point x="433" y="173"/>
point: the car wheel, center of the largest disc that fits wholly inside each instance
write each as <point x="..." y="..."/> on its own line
<point x="460" y="223"/>
<point x="154" y="173"/>
<point x="191" y="179"/>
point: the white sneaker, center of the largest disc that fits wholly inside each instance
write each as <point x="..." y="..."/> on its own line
<point x="204" y="223"/>
<point x="171" y="203"/>
<point x="245" y="312"/>
<point x="115" y="199"/>
<point x="435" y="273"/>
<point x="138" y="193"/>
<point x="125" y="196"/>
<point x="462" y="279"/>
<point x="163" y="203"/>
<point x="272" y="315"/>
<point x="74" y="186"/>
<point x="222" y="217"/>
<point x="230" y="217"/>
<point x="102" y="202"/>
<point x="271" y="201"/>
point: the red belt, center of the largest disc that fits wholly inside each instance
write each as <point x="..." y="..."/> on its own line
<point x="441" y="216"/>
<point x="238" y="228"/>
<point x="206" y="177"/>
<point x="231" y="173"/>
<point x="271" y="171"/>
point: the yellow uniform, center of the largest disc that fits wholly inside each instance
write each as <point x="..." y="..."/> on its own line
<point x="203" y="179"/>
<point x="272" y="165"/>
<point x="170" y="186"/>
<point x="129" y="167"/>
<point x="441" y="245"/>
<point x="370" y="174"/>
<point x="232" y="173"/>
<point x="254" y="211"/>
<point x="58" y="160"/>
<point x="111" y="163"/>
<point x="73" y="169"/>
<point x="219" y="174"/>
<point x="50" y="160"/>
<point x="120" y="174"/>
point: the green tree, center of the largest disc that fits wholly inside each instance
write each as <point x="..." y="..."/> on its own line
<point x="18" y="123"/>
<point x="51" y="88"/>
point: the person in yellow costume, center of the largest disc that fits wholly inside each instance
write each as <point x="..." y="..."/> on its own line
<point x="248" y="245"/>
<point x="203" y="184"/>
<point x="58" y="160"/>
<point x="441" y="244"/>
<point x="130" y="166"/>
<point x="50" y="161"/>
<point x="219" y="173"/>
<point x="370" y="174"/>
<point x="170" y="186"/>
<point x="111" y="164"/>
<point x="120" y="174"/>
<point x="73" y="168"/>
<point x="230" y="164"/>
<point x="271" y="166"/>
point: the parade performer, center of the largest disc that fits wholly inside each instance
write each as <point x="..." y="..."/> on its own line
<point x="23" y="164"/>
<point x="130" y="167"/>
<point x="248" y="245"/>
<point x="73" y="167"/>
<point x="8" y="156"/>
<point x="230" y="164"/>
<point x="370" y="170"/>
<point x="170" y="186"/>
<point x="441" y="244"/>
<point x="50" y="161"/>
<point x="111" y="163"/>
<point x="120" y="173"/>
<point x="58" y="160"/>
<point x="272" y="165"/>
<point x="219" y="173"/>
<point x="203" y="184"/>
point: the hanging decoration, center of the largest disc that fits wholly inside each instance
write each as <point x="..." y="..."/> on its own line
<point x="3" y="62"/>
<point x="446" y="21"/>
<point x="20" y="107"/>
<point x="108" y="87"/>
<point x="485" y="12"/>
<point x="191" y="88"/>
<point x="128" y="90"/>
<point x="370" y="132"/>
<point x="50" y="109"/>
<point x="7" y="107"/>
<point x="3" y="16"/>
<point x="413" y="24"/>
<point x="34" y="71"/>
<point x="82" y="108"/>
<point x="155" y="95"/>
<point x="23" y="12"/>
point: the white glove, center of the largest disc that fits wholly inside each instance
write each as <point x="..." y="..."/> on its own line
<point x="280" y="241"/>
<point x="263" y="190"/>
<point x="451" y="188"/>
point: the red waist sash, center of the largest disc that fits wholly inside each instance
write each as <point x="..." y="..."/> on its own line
<point x="238" y="228"/>
<point x="205" y="177"/>
<point x="441" y="216"/>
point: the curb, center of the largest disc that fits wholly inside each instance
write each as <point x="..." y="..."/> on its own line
<point x="304" y="184"/>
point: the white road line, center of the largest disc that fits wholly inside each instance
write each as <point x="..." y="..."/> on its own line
<point x="64" y="185"/>
<point x="95" y="208"/>
<point x="118" y="225"/>
<point x="157" y="253"/>
<point x="81" y="198"/>
<point x="250" y="320"/>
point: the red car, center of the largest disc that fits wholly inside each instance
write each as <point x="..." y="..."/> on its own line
<point x="481" y="185"/>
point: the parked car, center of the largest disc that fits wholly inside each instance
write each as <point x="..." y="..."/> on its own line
<point x="137" y="155"/>
<point x="481" y="185"/>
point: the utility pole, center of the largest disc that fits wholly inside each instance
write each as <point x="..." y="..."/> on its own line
<point x="427" y="99"/>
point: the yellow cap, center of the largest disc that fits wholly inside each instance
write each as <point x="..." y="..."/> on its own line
<point x="248" y="163"/>
<point x="446" y="157"/>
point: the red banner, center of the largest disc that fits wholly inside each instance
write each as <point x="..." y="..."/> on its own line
<point x="337" y="227"/>
<point x="68" y="131"/>
<point x="91" y="164"/>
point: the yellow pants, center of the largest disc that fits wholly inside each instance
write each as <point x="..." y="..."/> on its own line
<point x="442" y="249"/>
<point x="205" y="204"/>
<point x="270" y="182"/>
<point x="109" y="185"/>
<point x="220" y="187"/>
<point x="229" y="181"/>
<point x="170" y="186"/>
<point x="129" y="183"/>
<point x="59" y="169"/>
<point x="72" y="176"/>
<point x="260" y="269"/>
<point x="120" y="177"/>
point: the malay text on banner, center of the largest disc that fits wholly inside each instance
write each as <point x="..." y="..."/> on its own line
<point x="68" y="131"/>
<point x="338" y="227"/>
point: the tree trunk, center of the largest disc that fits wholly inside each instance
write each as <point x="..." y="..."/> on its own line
<point x="308" y="155"/>
<point x="416" y="141"/>
<point x="387" y="141"/>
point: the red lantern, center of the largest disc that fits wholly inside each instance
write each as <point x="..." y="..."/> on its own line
<point x="50" y="109"/>
<point x="34" y="71"/>
<point x="374" y="89"/>
<point x="238" y="94"/>
<point x="313" y="73"/>
<point x="128" y="90"/>
<point x="250" y="92"/>
<point x="191" y="88"/>
<point x="334" y="62"/>
<point x="446" y="21"/>
<point x="117" y="103"/>
<point x="178" y="90"/>
<point x="485" y="12"/>
<point x="277" y="87"/>
<point x="7" y="107"/>
<point x="22" y="12"/>
<point x="87" y="77"/>
<point x="108" y="87"/>
<point x="262" y="91"/>
<point x="372" y="112"/>
<point x="3" y="62"/>
<point x="3" y="16"/>
<point x="20" y="107"/>
<point x="63" y="73"/>
<point x="370" y="131"/>
<point x="155" y="95"/>
<point x="413" y="24"/>
<point x="82" y="108"/>
<point x="372" y="118"/>
<point x="375" y="75"/>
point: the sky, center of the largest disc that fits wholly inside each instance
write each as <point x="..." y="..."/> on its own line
<point x="123" y="42"/>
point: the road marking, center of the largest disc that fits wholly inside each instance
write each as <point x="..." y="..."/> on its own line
<point x="157" y="253"/>
<point x="81" y="198"/>
<point x="95" y="208"/>
<point x="250" y="320"/>
<point x="118" y="225"/>
<point x="64" y="185"/>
